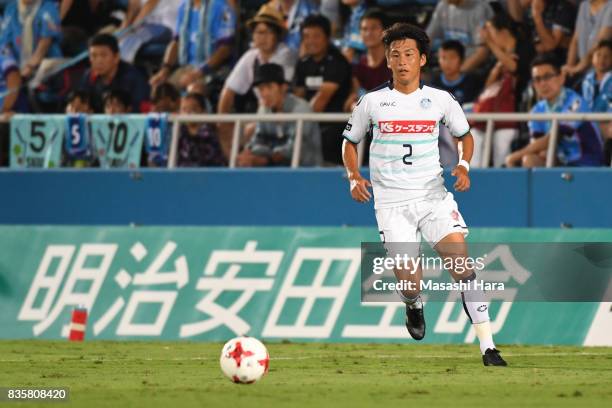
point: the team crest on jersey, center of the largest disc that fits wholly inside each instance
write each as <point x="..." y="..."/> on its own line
<point x="425" y="103"/>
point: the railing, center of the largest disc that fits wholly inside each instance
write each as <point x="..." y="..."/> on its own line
<point x="300" y="118"/>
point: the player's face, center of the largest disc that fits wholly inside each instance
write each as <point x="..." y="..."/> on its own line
<point x="264" y="38"/>
<point x="546" y="81"/>
<point x="103" y="60"/>
<point x="315" y="41"/>
<point x="371" y="31"/>
<point x="405" y="61"/>
<point x="449" y="61"/>
<point x="602" y="59"/>
<point x="270" y="94"/>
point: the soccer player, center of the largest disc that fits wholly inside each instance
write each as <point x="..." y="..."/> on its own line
<point x="410" y="198"/>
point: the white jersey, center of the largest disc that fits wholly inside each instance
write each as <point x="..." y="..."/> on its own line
<point x="404" y="154"/>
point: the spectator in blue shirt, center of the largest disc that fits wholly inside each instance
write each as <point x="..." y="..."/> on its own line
<point x="597" y="83"/>
<point x="351" y="42"/>
<point x="108" y="72"/>
<point x="202" y="44"/>
<point x="31" y="31"/>
<point x="579" y="142"/>
<point x="294" y="12"/>
<point x="597" y="90"/>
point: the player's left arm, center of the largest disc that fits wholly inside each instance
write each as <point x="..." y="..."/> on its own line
<point x="455" y="120"/>
<point x="465" y="146"/>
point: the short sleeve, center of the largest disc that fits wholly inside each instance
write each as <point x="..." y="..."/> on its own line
<point x="241" y="77"/>
<point x="454" y="117"/>
<point x="8" y="65"/>
<point x="358" y="124"/>
<point x="51" y="25"/>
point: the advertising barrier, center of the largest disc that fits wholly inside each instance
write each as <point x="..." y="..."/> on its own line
<point x="302" y="284"/>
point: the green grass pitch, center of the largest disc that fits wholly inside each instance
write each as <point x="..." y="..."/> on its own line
<point x="177" y="375"/>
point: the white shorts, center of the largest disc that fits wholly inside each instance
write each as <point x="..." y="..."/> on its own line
<point x="432" y="219"/>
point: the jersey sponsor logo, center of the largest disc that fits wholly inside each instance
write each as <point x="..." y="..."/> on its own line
<point x="386" y="104"/>
<point x="407" y="126"/>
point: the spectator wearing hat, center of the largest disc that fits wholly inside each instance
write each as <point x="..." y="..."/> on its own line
<point x="267" y="30"/>
<point x="272" y="144"/>
<point x="323" y="77"/>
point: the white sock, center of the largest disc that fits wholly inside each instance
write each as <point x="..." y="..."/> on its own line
<point x="477" y="310"/>
<point x="412" y="302"/>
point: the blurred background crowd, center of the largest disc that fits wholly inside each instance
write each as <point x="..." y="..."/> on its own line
<point x="247" y="56"/>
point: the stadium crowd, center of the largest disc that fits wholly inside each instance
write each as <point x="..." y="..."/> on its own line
<point x="225" y="56"/>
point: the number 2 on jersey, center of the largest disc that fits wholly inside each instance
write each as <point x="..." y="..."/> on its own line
<point x="406" y="157"/>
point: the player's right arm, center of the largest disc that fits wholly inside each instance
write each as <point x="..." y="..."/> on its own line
<point x="354" y="132"/>
<point x="358" y="184"/>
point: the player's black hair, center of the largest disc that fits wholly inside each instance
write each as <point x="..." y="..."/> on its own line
<point x="376" y="14"/>
<point x="404" y="31"/>
<point x="317" y="20"/>
<point x="604" y="44"/>
<point x="105" y="40"/>
<point x="454" y="45"/>
<point x="165" y="90"/>
<point x="82" y="94"/>
<point x="547" y="58"/>
<point x="119" y="94"/>
<point x="198" y="97"/>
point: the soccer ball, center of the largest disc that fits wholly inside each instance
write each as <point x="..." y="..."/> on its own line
<point x="244" y="360"/>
